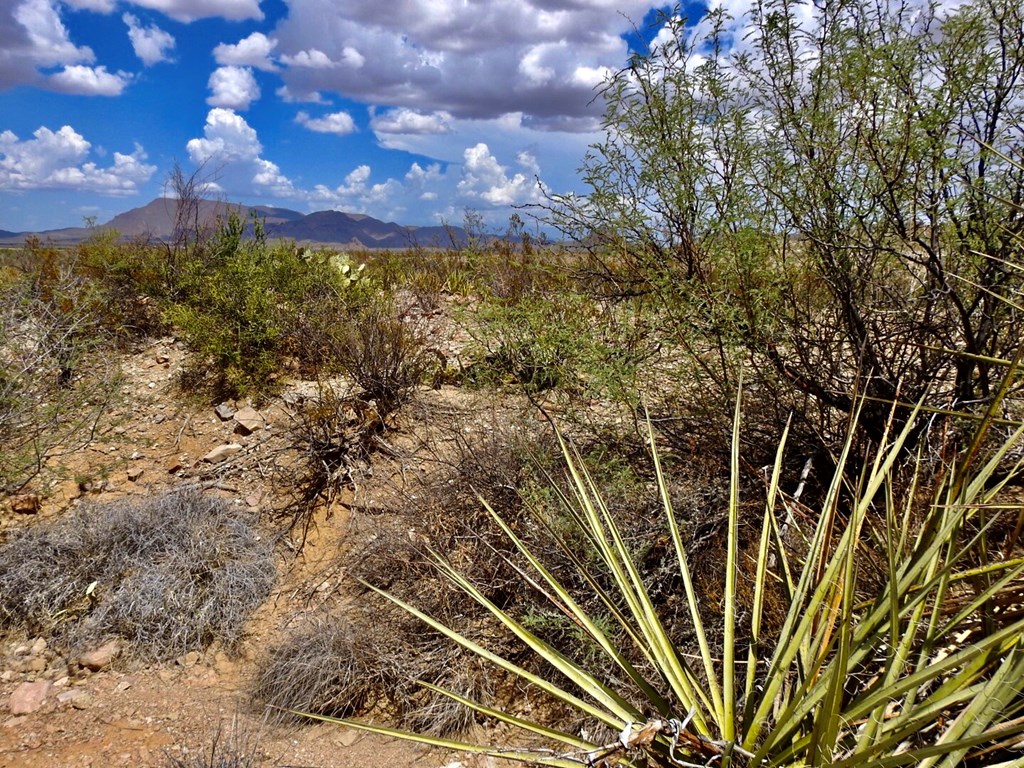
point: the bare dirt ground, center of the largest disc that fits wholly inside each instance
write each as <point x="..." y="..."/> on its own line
<point x="127" y="715"/>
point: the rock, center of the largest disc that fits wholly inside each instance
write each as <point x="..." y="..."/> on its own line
<point x="224" y="411"/>
<point x="162" y="357"/>
<point x="101" y="657"/>
<point x="135" y="473"/>
<point x="76" y="697"/>
<point x="221" y="452"/>
<point x="174" y="466"/>
<point x="346" y="737"/>
<point x="189" y="659"/>
<point x="38" y="647"/>
<point x="38" y="664"/>
<point x="248" y="420"/>
<point x="26" y="503"/>
<point x="28" y="697"/>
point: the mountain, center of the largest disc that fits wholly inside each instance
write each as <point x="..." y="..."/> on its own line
<point x="360" y="230"/>
<point x="156" y="220"/>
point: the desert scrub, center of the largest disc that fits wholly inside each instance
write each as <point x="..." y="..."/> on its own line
<point x="57" y="373"/>
<point x="165" y="574"/>
<point x="563" y="341"/>
<point x="243" y="306"/>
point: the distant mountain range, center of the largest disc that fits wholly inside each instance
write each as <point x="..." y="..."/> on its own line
<point x="343" y="230"/>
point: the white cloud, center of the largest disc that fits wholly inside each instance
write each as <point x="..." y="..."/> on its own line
<point x="60" y="159"/>
<point x="152" y="44"/>
<point x="409" y="121"/>
<point x="474" y="60"/>
<point x="231" y="147"/>
<point x="32" y="36"/>
<point x="484" y="178"/>
<point x="313" y="97"/>
<point x="89" y="81"/>
<point x="340" y="123"/>
<point x="252" y="51"/>
<point x="232" y="87"/>
<point x="311" y="59"/>
<point x="190" y="10"/>
<point x="226" y="137"/>
<point x="99" y="6"/>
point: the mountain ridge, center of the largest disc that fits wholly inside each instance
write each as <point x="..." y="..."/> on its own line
<point x="156" y="221"/>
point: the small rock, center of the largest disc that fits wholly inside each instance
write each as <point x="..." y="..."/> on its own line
<point x="135" y="473"/>
<point x="174" y="466"/>
<point x="167" y="675"/>
<point x="248" y="420"/>
<point x="7" y="675"/>
<point x="254" y="499"/>
<point x="26" y="503"/>
<point x="346" y="737"/>
<point x="101" y="657"/>
<point x="38" y="647"/>
<point x="152" y="385"/>
<point x="189" y="659"/>
<point x="162" y="357"/>
<point x="221" y="452"/>
<point x="38" y="664"/>
<point x="76" y="697"/>
<point x="159" y="418"/>
<point x="224" y="411"/>
<point x="28" y="697"/>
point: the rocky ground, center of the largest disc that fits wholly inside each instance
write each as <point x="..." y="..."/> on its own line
<point x="100" y="710"/>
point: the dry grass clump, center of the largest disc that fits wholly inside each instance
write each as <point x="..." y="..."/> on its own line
<point x="166" y="574"/>
<point x="368" y="661"/>
<point x="230" y="747"/>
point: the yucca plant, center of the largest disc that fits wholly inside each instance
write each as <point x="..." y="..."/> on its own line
<point x="922" y="664"/>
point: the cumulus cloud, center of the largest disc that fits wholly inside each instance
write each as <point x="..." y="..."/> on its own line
<point x="470" y="60"/>
<point x="232" y="88"/>
<point x="190" y="10"/>
<point x="309" y="59"/>
<point x="32" y="36"/>
<point x="340" y="123"/>
<point x="310" y="97"/>
<point x="484" y="178"/>
<point x="89" y="81"/>
<point x="409" y="121"/>
<point x="60" y="160"/>
<point x="252" y="51"/>
<point x="231" y="145"/>
<point x="152" y="44"/>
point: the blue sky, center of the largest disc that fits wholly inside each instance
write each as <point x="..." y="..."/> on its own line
<point x="407" y="110"/>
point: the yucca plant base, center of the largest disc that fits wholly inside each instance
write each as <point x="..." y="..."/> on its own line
<point x="923" y="666"/>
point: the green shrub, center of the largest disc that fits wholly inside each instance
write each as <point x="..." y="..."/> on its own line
<point x="244" y="306"/>
<point x="383" y="353"/>
<point x="57" y="375"/>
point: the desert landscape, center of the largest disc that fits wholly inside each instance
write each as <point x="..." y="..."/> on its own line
<point x="717" y="464"/>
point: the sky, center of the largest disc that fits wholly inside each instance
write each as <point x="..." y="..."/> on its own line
<point x="407" y="110"/>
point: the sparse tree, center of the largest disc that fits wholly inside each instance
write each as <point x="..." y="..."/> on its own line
<point x="829" y="196"/>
